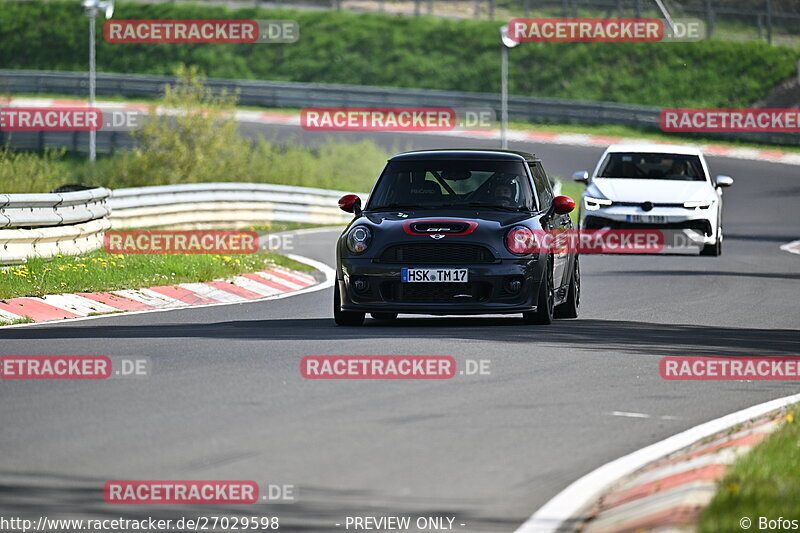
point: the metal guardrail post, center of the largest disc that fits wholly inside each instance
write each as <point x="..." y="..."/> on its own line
<point x="710" y="20"/>
<point x="769" y="21"/>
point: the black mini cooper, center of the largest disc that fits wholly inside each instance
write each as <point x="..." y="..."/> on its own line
<point x="441" y="235"/>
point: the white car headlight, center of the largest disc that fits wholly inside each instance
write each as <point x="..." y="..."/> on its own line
<point x="702" y="204"/>
<point x="593" y="204"/>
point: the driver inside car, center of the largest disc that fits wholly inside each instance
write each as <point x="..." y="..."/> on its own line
<point x="503" y="190"/>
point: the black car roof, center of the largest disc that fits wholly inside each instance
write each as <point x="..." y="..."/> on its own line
<point x="465" y="153"/>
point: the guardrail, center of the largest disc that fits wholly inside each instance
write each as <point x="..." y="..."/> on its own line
<point x="43" y="225"/>
<point x="276" y="94"/>
<point x="205" y="205"/>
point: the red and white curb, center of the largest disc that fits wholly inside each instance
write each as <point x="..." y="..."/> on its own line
<point x="572" y="139"/>
<point x="660" y="487"/>
<point x="274" y="283"/>
<point x="671" y="493"/>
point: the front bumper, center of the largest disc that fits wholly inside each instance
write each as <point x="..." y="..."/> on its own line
<point x="487" y="290"/>
<point x="700" y="221"/>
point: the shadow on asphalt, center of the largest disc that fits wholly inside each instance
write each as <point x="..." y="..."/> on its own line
<point x="318" y="509"/>
<point x="710" y="273"/>
<point x="591" y="334"/>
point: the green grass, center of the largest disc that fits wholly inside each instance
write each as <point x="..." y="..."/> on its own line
<point x="100" y="271"/>
<point x="763" y="483"/>
<point x="573" y="190"/>
<point x="24" y="320"/>
<point x="333" y="164"/>
<point x="424" y="52"/>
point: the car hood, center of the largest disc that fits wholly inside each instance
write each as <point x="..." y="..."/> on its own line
<point x="396" y="219"/>
<point x="653" y="190"/>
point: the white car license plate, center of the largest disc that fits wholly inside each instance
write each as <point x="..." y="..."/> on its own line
<point x="647" y="219"/>
<point x="434" y="275"/>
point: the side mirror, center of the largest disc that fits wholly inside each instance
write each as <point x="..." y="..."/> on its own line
<point x="350" y="203"/>
<point x="723" y="181"/>
<point x="582" y="176"/>
<point x="563" y="204"/>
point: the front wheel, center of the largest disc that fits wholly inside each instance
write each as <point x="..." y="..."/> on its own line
<point x="544" y="303"/>
<point x="713" y="250"/>
<point x="344" y="318"/>
<point x="569" y="309"/>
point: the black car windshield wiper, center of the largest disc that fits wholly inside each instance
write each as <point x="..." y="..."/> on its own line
<point x="486" y="205"/>
<point x="393" y="206"/>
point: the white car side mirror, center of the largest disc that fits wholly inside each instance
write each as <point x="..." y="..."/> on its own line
<point x="723" y="181"/>
<point x="582" y="176"/>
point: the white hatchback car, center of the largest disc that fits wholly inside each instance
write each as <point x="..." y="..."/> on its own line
<point x="651" y="186"/>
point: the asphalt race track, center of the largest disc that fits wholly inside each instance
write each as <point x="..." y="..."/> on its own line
<point x="226" y="399"/>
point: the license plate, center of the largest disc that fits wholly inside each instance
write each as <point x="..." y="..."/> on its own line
<point x="434" y="275"/>
<point x="647" y="219"/>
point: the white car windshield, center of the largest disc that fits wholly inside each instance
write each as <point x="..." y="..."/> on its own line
<point x="652" y="166"/>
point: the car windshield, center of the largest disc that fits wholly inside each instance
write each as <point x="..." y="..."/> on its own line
<point x="431" y="184"/>
<point x="652" y="166"/>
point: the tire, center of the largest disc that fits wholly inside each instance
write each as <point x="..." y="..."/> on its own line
<point x="344" y="318"/>
<point x="383" y="316"/>
<point x="713" y="250"/>
<point x="570" y="308"/>
<point x="544" y="303"/>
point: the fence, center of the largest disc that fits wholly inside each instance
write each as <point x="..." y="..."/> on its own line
<point x="43" y="225"/>
<point x="204" y="205"/>
<point x="298" y="95"/>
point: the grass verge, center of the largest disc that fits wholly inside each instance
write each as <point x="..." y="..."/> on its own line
<point x="763" y="483"/>
<point x="574" y="191"/>
<point x="101" y="271"/>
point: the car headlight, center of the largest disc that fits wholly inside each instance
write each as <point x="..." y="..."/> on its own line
<point x="358" y="239"/>
<point x="702" y="204"/>
<point x="521" y="240"/>
<point x="593" y="204"/>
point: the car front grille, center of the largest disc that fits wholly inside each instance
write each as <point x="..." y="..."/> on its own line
<point x="593" y="222"/>
<point x="436" y="292"/>
<point x="436" y="253"/>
